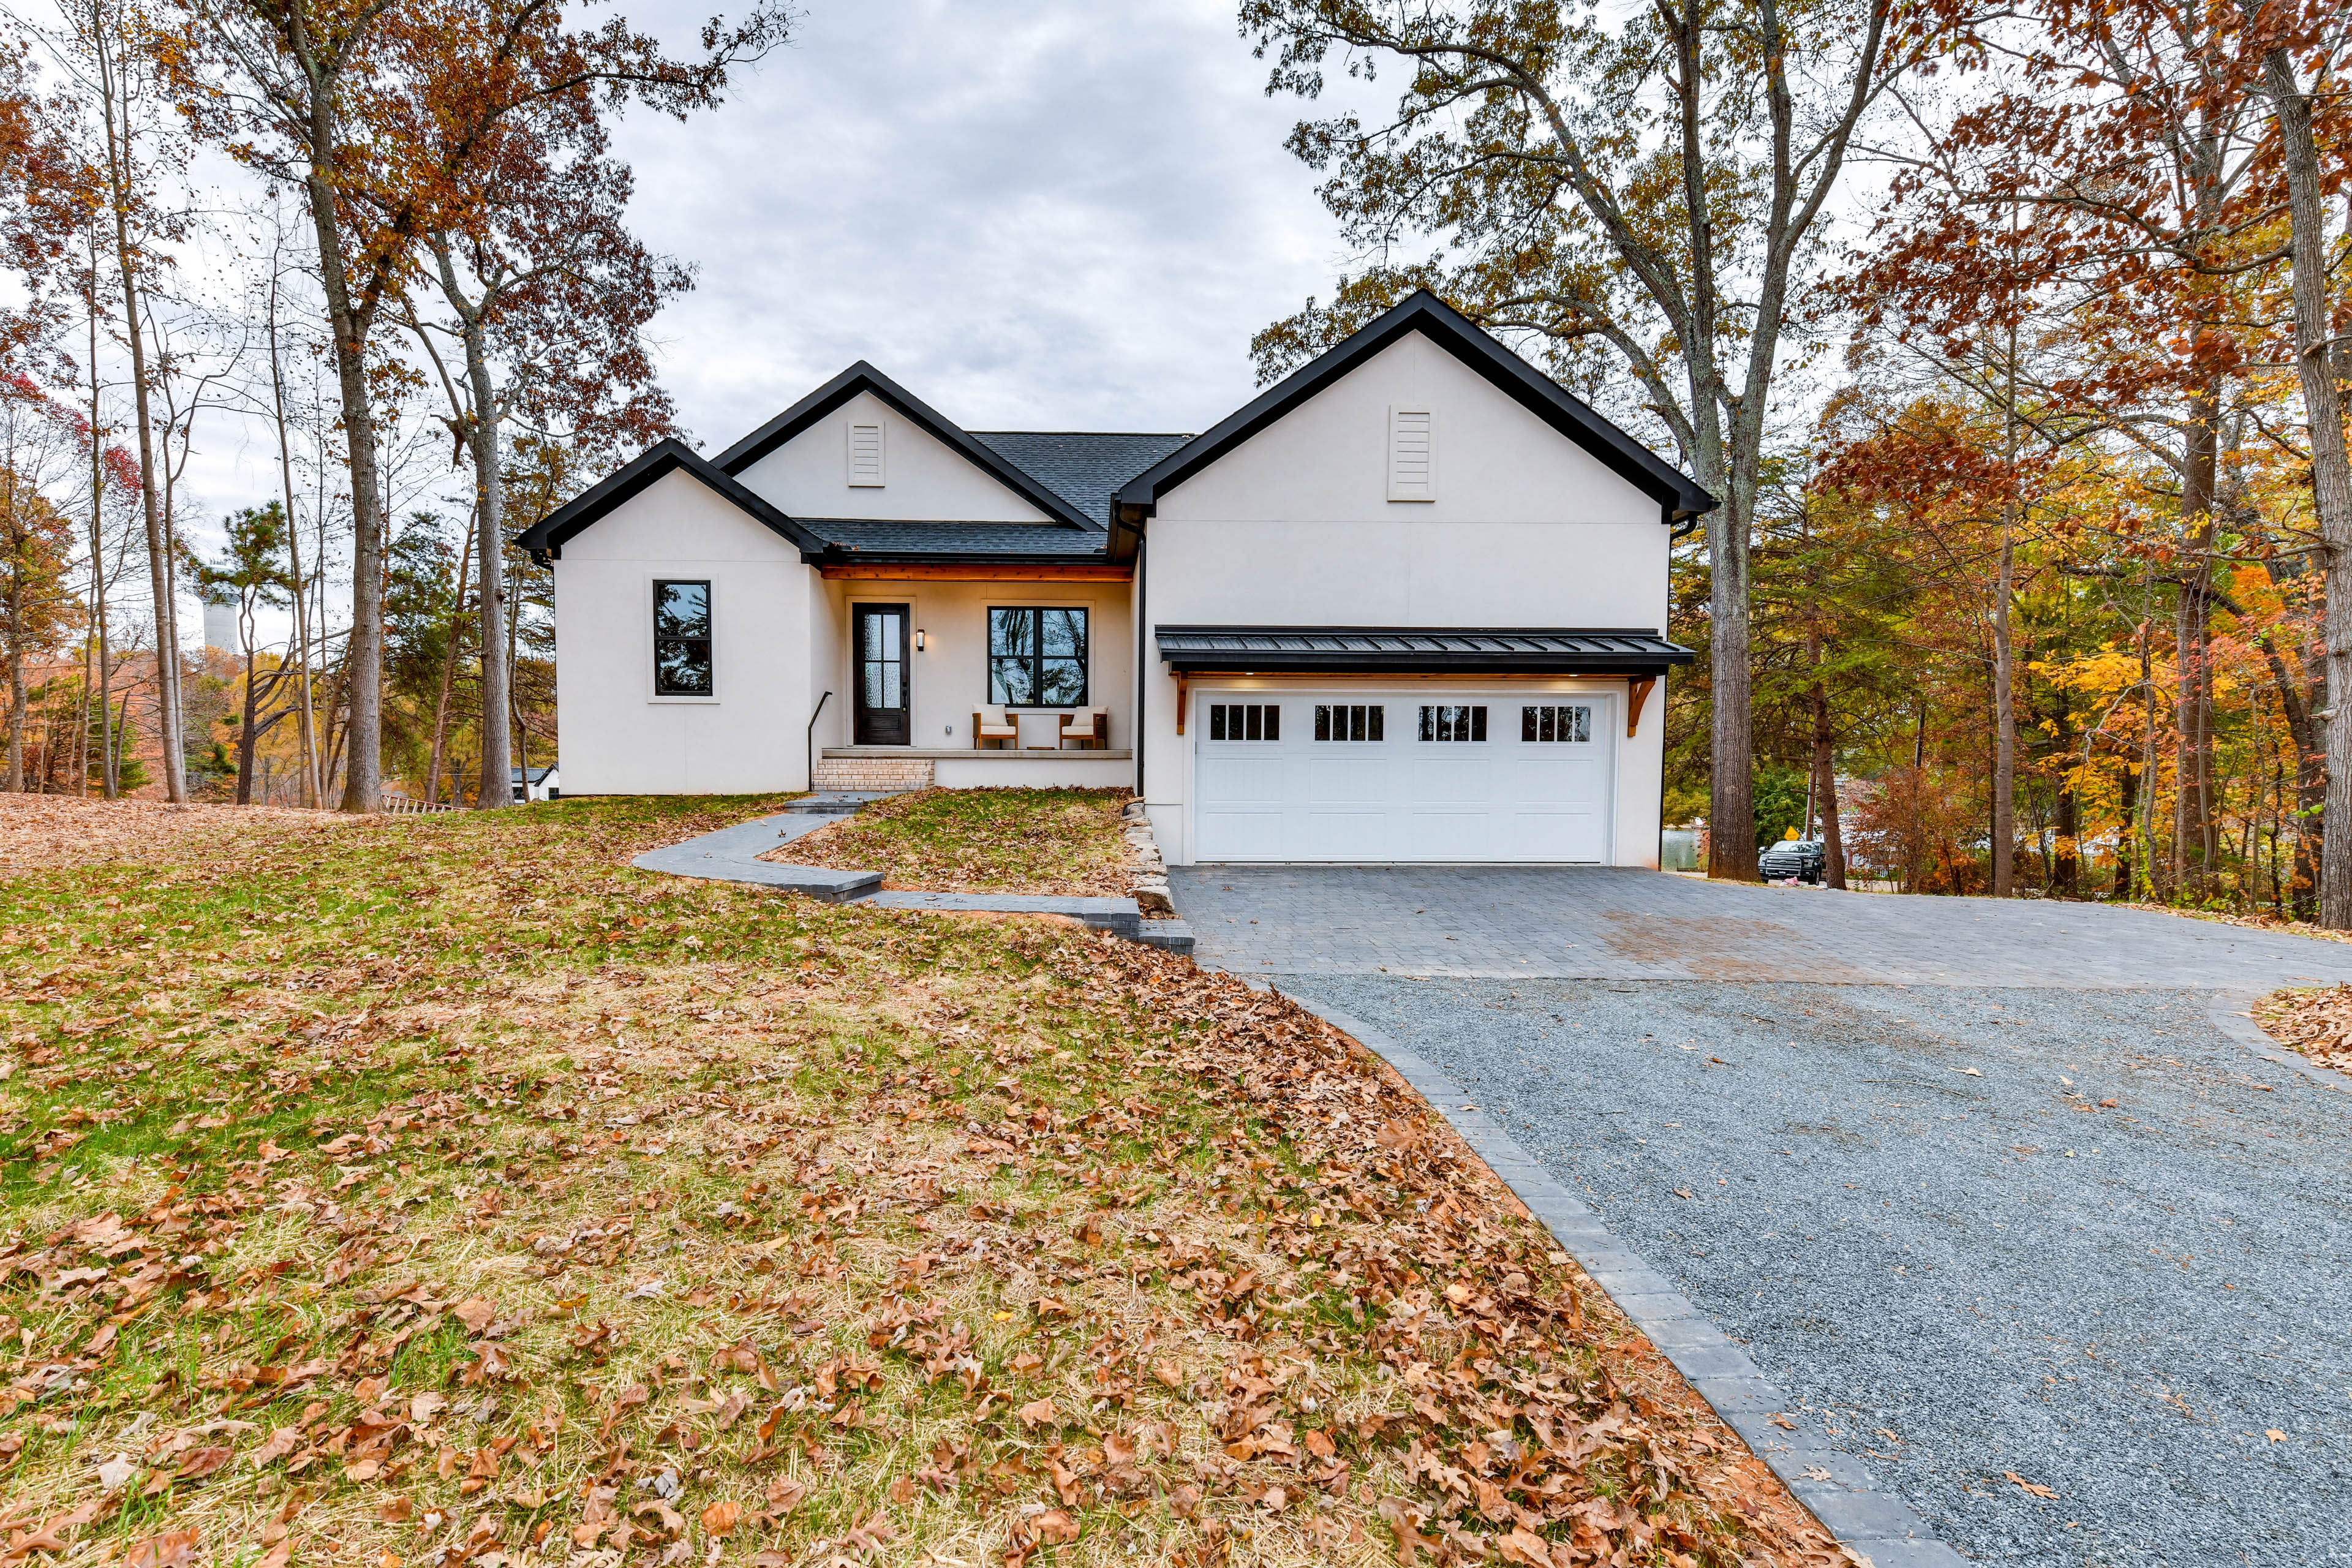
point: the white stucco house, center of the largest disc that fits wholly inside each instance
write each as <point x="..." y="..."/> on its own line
<point x="1409" y="605"/>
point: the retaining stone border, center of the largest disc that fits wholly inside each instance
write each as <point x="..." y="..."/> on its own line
<point x="2232" y="1012"/>
<point x="733" y="855"/>
<point x="1878" y="1526"/>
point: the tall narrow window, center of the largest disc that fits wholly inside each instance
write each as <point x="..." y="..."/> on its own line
<point x="1413" y="455"/>
<point x="866" y="456"/>
<point x="682" y="639"/>
<point x="1037" y="658"/>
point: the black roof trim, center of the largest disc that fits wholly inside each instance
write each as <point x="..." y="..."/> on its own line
<point x="1678" y="495"/>
<point x="1414" y="650"/>
<point x="545" y="538"/>
<point x="864" y="377"/>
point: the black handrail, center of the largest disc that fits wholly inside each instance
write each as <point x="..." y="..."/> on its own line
<point x="812" y="737"/>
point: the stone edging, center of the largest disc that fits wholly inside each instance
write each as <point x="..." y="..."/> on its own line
<point x="2232" y="1012"/>
<point x="733" y="855"/>
<point x="1878" y="1526"/>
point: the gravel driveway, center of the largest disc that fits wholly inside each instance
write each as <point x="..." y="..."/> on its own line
<point x="2116" y="1304"/>
<point x="1914" y="1207"/>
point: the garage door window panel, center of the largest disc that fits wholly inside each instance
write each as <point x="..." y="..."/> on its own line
<point x="1245" y="721"/>
<point x="1453" y="722"/>
<point x="1363" y="722"/>
<point x="1568" y="722"/>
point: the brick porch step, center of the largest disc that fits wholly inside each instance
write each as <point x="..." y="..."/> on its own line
<point x="871" y="775"/>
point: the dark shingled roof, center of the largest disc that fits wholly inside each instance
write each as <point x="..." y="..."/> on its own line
<point x="1083" y="467"/>
<point x="1371" y="649"/>
<point x="860" y="536"/>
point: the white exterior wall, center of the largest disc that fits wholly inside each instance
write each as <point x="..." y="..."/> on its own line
<point x="924" y="479"/>
<point x="617" y="737"/>
<point x="1295" y="528"/>
<point x="947" y="680"/>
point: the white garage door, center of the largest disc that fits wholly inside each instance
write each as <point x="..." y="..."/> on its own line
<point x="1360" y="776"/>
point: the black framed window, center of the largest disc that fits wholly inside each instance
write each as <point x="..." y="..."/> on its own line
<point x="1244" y="722"/>
<point x="1562" y="722"/>
<point x="1349" y="722"/>
<point x="1453" y="722"/>
<point x="682" y="639"/>
<point x="1037" y="658"/>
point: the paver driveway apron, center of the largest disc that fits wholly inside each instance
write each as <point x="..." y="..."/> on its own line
<point x="2012" y="1194"/>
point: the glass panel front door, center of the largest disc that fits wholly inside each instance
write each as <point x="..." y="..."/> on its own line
<point x="879" y="635"/>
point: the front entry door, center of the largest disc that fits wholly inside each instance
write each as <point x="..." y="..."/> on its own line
<point x="879" y="633"/>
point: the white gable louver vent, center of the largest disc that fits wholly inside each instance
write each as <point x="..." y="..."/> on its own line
<point x="1413" y="455"/>
<point x="865" y="456"/>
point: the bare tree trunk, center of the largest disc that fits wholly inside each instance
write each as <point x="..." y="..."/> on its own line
<point x="448" y="674"/>
<point x="489" y="506"/>
<point x="2331" y="470"/>
<point x="349" y="324"/>
<point x="316" y="796"/>
<point x="96" y="534"/>
<point x="245" y="734"/>
<point x="167" y="632"/>
<point x="17" y="698"/>
<point x="2004" y="702"/>
<point x="1825" y="786"/>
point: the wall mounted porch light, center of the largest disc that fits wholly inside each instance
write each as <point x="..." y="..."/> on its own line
<point x="918" y="639"/>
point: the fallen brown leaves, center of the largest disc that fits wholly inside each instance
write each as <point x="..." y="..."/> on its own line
<point x="727" y="1227"/>
<point x="2317" y="1023"/>
<point x="2256" y="919"/>
<point x="39" y="832"/>
<point x="1066" y="842"/>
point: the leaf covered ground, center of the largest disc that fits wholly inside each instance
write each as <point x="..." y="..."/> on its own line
<point x="442" y="1191"/>
<point x="1059" y="841"/>
<point x="2318" y="1023"/>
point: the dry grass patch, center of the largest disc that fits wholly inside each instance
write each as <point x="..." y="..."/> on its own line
<point x="451" y="1194"/>
<point x="1059" y="841"/>
<point x="2316" y="1022"/>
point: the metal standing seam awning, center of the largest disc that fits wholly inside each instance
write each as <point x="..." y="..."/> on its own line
<point x="1632" y="654"/>
<point x="1418" y="650"/>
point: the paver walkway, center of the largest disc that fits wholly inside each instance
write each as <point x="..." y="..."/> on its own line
<point x="1906" y="1194"/>
<point x="1505" y="922"/>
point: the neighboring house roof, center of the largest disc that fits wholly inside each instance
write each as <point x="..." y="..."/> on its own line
<point x="538" y="776"/>
<point x="1373" y="650"/>
<point x="1678" y="495"/>
<point x="1084" y="468"/>
<point x="545" y="538"/>
<point x="862" y="377"/>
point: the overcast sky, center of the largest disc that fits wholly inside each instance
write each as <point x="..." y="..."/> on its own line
<point x="1033" y="213"/>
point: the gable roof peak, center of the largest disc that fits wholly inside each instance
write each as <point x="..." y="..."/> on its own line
<point x="1679" y="497"/>
<point x="863" y="377"/>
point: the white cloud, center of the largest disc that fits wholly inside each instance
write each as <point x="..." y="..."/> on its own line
<point x="1042" y="216"/>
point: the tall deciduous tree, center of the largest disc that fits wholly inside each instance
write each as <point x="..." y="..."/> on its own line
<point x="1653" y="179"/>
<point x="2299" y="48"/>
<point x="2112" y="172"/>
<point x="549" y="294"/>
<point x="380" y="111"/>
<point x="114" y="57"/>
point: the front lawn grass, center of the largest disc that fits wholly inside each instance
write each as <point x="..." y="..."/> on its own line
<point x="415" y="1191"/>
<point x="1060" y="841"/>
